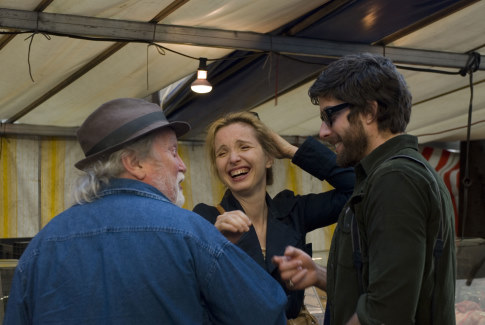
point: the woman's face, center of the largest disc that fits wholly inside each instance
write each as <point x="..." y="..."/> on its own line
<point x="240" y="160"/>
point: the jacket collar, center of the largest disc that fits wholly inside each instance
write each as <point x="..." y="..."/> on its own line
<point x="279" y="234"/>
<point x="386" y="150"/>
<point x="126" y="185"/>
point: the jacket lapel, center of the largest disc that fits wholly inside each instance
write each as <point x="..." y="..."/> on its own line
<point x="279" y="235"/>
<point x="249" y="243"/>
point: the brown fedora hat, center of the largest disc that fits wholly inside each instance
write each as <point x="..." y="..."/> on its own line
<point x="117" y="123"/>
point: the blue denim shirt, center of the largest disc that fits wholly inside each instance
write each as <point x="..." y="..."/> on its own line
<point x="133" y="257"/>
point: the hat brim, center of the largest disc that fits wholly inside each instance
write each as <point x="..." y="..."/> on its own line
<point x="180" y="128"/>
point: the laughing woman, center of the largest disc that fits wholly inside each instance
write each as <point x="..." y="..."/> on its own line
<point x="242" y="151"/>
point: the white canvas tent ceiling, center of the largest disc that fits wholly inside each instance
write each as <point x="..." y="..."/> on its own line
<point x="71" y="77"/>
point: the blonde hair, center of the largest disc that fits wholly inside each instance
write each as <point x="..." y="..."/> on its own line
<point x="262" y="132"/>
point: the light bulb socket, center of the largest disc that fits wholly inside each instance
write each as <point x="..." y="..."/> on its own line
<point x="203" y="64"/>
<point x="201" y="85"/>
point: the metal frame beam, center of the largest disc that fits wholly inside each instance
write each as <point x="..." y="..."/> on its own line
<point x="122" y="30"/>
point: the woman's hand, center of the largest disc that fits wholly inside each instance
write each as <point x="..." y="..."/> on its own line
<point x="233" y="224"/>
<point x="285" y="149"/>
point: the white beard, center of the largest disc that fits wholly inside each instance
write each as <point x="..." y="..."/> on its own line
<point x="179" y="199"/>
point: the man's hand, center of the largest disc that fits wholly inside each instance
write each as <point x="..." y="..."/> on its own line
<point x="299" y="271"/>
<point x="233" y="224"/>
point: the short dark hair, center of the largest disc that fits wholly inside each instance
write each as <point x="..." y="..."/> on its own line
<point x="361" y="78"/>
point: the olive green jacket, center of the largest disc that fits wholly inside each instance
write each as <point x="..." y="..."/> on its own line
<point x="397" y="209"/>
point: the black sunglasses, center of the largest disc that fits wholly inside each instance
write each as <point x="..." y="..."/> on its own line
<point x="327" y="114"/>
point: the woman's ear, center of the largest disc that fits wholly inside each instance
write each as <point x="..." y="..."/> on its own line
<point x="269" y="161"/>
<point x="132" y="166"/>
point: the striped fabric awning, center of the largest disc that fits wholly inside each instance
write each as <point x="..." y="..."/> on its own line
<point x="447" y="164"/>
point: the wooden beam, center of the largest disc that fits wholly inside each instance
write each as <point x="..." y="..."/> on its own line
<point x="132" y="31"/>
<point x="40" y="7"/>
<point x="37" y="130"/>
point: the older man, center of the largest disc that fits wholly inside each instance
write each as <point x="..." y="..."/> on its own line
<point x="126" y="253"/>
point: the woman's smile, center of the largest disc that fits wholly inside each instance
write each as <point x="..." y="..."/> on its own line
<point x="240" y="159"/>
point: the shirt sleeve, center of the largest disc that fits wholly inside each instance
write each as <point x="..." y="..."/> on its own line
<point x="394" y="227"/>
<point x="323" y="209"/>
<point x="208" y="212"/>
<point x="319" y="161"/>
<point x="240" y="291"/>
<point x="17" y="311"/>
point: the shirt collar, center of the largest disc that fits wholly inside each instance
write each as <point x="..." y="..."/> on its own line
<point x="386" y="150"/>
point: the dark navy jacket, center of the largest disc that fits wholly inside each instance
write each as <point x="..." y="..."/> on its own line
<point x="291" y="216"/>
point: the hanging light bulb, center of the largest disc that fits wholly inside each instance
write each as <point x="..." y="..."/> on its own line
<point x="201" y="85"/>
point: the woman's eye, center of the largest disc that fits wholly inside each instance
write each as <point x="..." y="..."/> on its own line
<point x="221" y="154"/>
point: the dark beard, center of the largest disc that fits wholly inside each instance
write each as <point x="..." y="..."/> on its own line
<point x="355" y="145"/>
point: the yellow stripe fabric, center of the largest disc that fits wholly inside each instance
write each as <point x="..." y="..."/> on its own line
<point x="52" y="179"/>
<point x="45" y="192"/>
<point x="218" y="190"/>
<point x="328" y="231"/>
<point x="183" y="151"/>
<point x="8" y="199"/>
<point x="292" y="177"/>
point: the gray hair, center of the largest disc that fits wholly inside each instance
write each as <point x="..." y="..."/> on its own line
<point x="87" y="185"/>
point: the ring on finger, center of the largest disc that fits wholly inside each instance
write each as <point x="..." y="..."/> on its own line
<point x="290" y="284"/>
